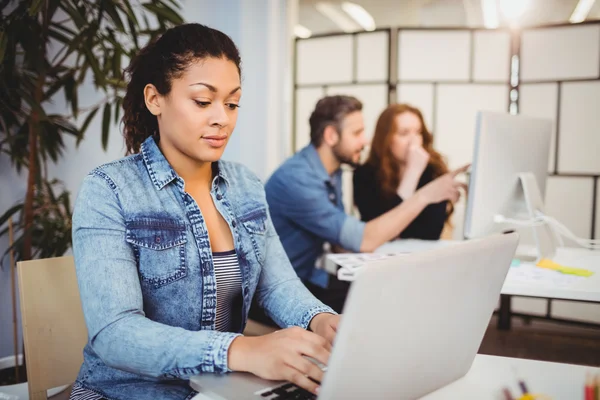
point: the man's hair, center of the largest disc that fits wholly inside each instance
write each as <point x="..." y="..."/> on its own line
<point x="331" y="110"/>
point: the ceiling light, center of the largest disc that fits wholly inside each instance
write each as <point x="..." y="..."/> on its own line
<point x="359" y="15"/>
<point x="581" y="11"/>
<point x="513" y="9"/>
<point x="302" y="31"/>
<point x="338" y="17"/>
<point x="490" y="13"/>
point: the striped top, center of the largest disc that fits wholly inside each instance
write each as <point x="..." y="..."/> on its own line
<point x="229" y="290"/>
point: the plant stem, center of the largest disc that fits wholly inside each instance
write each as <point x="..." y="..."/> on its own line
<point x="13" y="291"/>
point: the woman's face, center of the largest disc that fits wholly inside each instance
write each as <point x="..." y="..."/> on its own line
<point x="196" y="119"/>
<point x="408" y="132"/>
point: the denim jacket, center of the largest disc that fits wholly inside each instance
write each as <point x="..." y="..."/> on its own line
<point x="146" y="277"/>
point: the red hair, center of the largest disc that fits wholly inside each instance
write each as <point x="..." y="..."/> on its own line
<point x="385" y="163"/>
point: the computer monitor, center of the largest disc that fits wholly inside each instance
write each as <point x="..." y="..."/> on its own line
<point x="508" y="176"/>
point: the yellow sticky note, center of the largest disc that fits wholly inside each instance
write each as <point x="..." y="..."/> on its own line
<point x="549" y="264"/>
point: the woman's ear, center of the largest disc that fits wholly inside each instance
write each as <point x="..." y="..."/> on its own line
<point x="152" y="99"/>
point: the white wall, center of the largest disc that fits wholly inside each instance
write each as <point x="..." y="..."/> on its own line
<point x="261" y="30"/>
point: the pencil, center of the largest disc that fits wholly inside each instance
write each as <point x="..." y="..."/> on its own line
<point x="589" y="387"/>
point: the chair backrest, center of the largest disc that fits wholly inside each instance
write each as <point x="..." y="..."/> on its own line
<point x="54" y="330"/>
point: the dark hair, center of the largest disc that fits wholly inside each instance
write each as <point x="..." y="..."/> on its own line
<point x="331" y="110"/>
<point x="161" y="61"/>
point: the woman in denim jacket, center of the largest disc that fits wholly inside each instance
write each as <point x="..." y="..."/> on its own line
<point x="171" y="243"/>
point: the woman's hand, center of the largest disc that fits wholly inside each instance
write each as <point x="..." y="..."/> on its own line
<point x="280" y="356"/>
<point x="417" y="159"/>
<point x="325" y="325"/>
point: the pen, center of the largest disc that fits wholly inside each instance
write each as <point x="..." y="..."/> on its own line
<point x="507" y="394"/>
<point x="523" y="387"/>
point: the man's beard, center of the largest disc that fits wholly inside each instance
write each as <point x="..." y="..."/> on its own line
<point x="345" y="158"/>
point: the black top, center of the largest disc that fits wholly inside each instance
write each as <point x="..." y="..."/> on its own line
<point x="371" y="203"/>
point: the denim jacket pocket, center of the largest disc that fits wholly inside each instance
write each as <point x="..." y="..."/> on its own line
<point x="159" y="247"/>
<point x="255" y="223"/>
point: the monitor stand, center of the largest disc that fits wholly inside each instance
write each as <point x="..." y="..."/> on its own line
<point x="545" y="243"/>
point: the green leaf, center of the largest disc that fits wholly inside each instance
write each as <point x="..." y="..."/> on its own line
<point x="93" y="62"/>
<point x="116" y="62"/>
<point x="55" y="34"/>
<point x="130" y="13"/>
<point x="71" y="96"/>
<point x="86" y="122"/>
<point x="74" y="14"/>
<point x="82" y="73"/>
<point x="117" y="83"/>
<point x="63" y="124"/>
<point x="175" y="3"/>
<point x="133" y="32"/>
<point x="164" y="12"/>
<point x="9" y="213"/>
<point x="35" y="7"/>
<point x="105" y="126"/>
<point x="63" y="28"/>
<point x="174" y="11"/>
<point x="110" y="8"/>
<point x="118" y="105"/>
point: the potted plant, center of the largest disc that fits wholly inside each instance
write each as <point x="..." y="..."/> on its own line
<point x="51" y="48"/>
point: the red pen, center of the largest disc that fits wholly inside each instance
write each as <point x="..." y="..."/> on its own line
<point x="589" y="387"/>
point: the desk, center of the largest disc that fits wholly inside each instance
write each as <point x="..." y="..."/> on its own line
<point x="585" y="290"/>
<point x="489" y="374"/>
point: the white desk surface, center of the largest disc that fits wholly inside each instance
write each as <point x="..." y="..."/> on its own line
<point x="489" y="375"/>
<point x="587" y="289"/>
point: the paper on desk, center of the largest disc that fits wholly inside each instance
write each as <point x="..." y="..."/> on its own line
<point x="350" y="263"/>
<point x="530" y="274"/>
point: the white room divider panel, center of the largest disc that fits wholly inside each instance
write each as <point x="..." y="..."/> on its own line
<point x="491" y="57"/>
<point x="560" y="53"/>
<point x="372" y="60"/>
<point x="597" y="227"/>
<point x="570" y="200"/>
<point x="585" y="312"/>
<point x="325" y="60"/>
<point x="306" y="98"/>
<point x="560" y="80"/>
<point x="579" y="139"/>
<point x="456" y="112"/>
<point x="434" y="55"/>
<point x="541" y="100"/>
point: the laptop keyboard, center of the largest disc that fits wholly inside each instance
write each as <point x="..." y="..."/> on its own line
<point x="289" y="391"/>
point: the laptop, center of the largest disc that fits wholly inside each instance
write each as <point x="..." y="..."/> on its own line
<point x="411" y="325"/>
